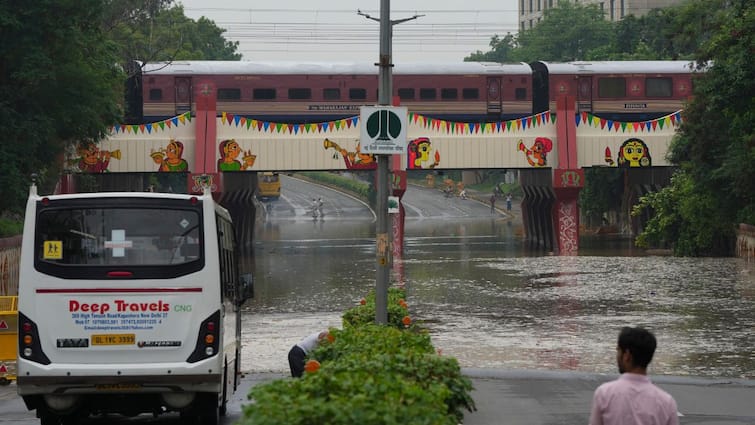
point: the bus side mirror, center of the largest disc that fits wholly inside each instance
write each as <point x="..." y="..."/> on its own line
<point x="247" y="287"/>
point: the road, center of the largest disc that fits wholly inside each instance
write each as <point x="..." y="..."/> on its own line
<point x="298" y="197"/>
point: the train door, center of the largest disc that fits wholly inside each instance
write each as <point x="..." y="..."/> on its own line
<point x="183" y="94"/>
<point x="494" y="97"/>
<point x="584" y="93"/>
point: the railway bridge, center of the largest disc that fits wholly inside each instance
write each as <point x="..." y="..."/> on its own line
<point x="550" y="150"/>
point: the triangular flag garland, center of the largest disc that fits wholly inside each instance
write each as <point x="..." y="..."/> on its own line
<point x="152" y="127"/>
<point x="670" y="120"/>
<point x="276" y="127"/>
<point x="449" y="127"/>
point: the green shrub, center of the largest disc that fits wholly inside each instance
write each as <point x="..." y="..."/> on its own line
<point x="347" y="396"/>
<point x="365" y="314"/>
<point x="10" y="227"/>
<point x="369" y="374"/>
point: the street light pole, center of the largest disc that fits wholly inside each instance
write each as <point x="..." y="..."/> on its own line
<point x="385" y="90"/>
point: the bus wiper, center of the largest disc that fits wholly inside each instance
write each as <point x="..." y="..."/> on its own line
<point x="181" y="242"/>
<point x="80" y="233"/>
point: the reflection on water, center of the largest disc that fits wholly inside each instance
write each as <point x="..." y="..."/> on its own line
<point x="490" y="301"/>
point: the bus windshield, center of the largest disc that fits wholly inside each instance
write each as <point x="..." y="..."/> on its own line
<point x="107" y="236"/>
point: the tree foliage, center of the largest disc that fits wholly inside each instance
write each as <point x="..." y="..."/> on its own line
<point x="62" y="78"/>
<point x="59" y="84"/>
<point x="150" y="31"/>
<point x="568" y="32"/>
<point x="715" y="148"/>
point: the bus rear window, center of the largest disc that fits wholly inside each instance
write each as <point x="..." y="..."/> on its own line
<point x="116" y="236"/>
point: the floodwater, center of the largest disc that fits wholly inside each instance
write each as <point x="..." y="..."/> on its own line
<point x="491" y="302"/>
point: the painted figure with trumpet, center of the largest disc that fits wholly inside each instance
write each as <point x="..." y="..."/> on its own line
<point x="353" y="160"/>
<point x="93" y="160"/>
<point x="169" y="158"/>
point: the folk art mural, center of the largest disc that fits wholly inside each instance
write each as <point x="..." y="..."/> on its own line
<point x="247" y="144"/>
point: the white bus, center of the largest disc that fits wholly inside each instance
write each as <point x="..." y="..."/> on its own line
<point x="129" y="303"/>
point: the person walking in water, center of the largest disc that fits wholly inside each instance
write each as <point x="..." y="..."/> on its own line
<point x="314" y="208"/>
<point x="319" y="208"/>
<point x="492" y="203"/>
<point x="632" y="399"/>
<point x="508" y="202"/>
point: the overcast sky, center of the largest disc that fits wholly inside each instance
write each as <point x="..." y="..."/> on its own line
<point x="332" y="30"/>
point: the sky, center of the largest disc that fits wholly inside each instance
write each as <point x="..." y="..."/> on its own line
<point x="316" y="30"/>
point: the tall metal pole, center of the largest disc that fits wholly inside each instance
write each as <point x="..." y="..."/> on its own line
<point x="383" y="249"/>
<point x="385" y="90"/>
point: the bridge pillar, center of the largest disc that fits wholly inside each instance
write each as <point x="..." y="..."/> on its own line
<point x="537" y="207"/>
<point x="568" y="179"/>
<point x="566" y="186"/>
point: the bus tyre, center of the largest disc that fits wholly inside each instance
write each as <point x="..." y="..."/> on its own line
<point x="209" y="412"/>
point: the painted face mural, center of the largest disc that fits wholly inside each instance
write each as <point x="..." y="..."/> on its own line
<point x="170" y="159"/>
<point x="229" y="151"/>
<point x="537" y="154"/>
<point x="355" y="160"/>
<point x="419" y="154"/>
<point x="632" y="153"/>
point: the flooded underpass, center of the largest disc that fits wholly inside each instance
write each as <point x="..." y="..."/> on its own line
<point x="491" y="302"/>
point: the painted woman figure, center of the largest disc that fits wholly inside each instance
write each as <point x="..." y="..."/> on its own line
<point x="634" y="153"/>
<point x="229" y="151"/>
<point x="172" y="161"/>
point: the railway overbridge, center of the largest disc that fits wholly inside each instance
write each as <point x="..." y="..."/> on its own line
<point x="550" y="149"/>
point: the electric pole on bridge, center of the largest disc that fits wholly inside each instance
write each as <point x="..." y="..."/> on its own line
<point x="387" y="134"/>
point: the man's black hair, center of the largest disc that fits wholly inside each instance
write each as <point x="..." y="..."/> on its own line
<point x="640" y="342"/>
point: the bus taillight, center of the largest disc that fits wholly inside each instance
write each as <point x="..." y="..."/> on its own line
<point x="29" y="347"/>
<point x="207" y="340"/>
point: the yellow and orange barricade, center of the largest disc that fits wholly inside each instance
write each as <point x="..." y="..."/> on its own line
<point x="8" y="338"/>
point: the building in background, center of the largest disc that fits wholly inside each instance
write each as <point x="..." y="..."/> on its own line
<point x="531" y="11"/>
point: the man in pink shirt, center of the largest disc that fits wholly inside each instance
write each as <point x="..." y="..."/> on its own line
<point x="633" y="399"/>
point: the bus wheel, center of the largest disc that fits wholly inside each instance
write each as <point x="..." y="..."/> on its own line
<point x="209" y="412"/>
<point x="49" y="419"/>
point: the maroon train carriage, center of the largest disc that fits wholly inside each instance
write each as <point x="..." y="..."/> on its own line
<point x="615" y="90"/>
<point x="314" y="92"/>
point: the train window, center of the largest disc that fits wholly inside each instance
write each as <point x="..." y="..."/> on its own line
<point x="299" y="94"/>
<point x="406" y="94"/>
<point x="357" y="94"/>
<point x="427" y="94"/>
<point x="331" y="94"/>
<point x="520" y="93"/>
<point x="470" y="93"/>
<point x="612" y="87"/>
<point x="155" y="94"/>
<point x="263" y="94"/>
<point x="449" y="94"/>
<point x="659" y="87"/>
<point x="229" y="94"/>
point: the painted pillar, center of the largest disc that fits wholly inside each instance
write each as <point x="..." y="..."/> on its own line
<point x="204" y="170"/>
<point x="568" y="179"/>
<point x="398" y="188"/>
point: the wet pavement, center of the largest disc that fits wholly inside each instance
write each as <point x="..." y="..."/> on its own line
<point x="510" y="397"/>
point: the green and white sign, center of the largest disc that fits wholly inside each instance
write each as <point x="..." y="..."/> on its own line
<point x="383" y="129"/>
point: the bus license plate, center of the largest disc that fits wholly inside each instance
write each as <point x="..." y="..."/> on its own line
<point x="113" y="339"/>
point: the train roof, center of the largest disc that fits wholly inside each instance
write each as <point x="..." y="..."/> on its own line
<point x="328" y="68"/>
<point x="620" y="67"/>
